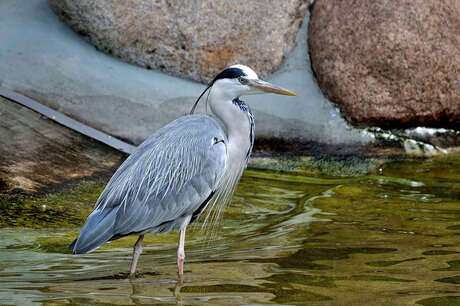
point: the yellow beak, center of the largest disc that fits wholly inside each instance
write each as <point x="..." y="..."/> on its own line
<point x="267" y="87"/>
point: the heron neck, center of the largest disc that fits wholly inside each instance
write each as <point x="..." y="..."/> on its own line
<point x="237" y="122"/>
<point x="235" y="119"/>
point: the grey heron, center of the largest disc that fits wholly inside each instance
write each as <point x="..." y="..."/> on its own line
<point x="190" y="164"/>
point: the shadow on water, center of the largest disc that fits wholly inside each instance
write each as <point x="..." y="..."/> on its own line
<point x="391" y="238"/>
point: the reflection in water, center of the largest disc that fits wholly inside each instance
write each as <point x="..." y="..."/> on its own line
<point x="388" y="239"/>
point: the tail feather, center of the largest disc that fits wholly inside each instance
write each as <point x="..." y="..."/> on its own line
<point x="98" y="229"/>
<point x="72" y="245"/>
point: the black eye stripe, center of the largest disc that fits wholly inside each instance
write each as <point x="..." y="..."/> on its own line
<point x="230" y="73"/>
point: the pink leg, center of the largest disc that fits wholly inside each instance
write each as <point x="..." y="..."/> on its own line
<point x="136" y="254"/>
<point x="181" y="253"/>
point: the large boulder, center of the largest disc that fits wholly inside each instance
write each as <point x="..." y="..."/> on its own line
<point x="389" y="63"/>
<point x="193" y="39"/>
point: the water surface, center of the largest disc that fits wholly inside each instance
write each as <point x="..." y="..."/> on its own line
<point x="389" y="238"/>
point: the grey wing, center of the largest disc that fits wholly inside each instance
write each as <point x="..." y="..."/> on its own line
<point x="166" y="179"/>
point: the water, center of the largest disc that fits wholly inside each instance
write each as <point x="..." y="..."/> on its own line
<point x="390" y="238"/>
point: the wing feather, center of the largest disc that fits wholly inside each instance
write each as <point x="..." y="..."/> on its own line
<point x="167" y="177"/>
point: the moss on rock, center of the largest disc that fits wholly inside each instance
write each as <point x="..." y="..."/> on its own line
<point x="66" y="208"/>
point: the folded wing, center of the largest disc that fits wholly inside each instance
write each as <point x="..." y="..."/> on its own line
<point x="167" y="178"/>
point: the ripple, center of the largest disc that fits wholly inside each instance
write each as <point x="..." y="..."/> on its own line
<point x="285" y="239"/>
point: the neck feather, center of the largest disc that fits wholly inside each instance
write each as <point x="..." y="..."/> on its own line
<point x="232" y="116"/>
<point x="239" y="123"/>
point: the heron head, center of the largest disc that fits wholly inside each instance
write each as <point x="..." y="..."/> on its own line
<point x="240" y="80"/>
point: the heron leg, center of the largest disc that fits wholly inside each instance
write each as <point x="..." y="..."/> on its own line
<point x="181" y="253"/>
<point x="136" y="253"/>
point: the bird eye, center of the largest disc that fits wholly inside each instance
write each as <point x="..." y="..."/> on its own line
<point x="243" y="81"/>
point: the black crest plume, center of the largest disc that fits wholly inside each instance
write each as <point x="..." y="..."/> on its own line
<point x="228" y="73"/>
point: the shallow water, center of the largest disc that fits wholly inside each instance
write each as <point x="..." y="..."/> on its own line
<point x="390" y="238"/>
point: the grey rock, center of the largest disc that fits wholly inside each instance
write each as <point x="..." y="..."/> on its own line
<point x="44" y="59"/>
<point x="389" y="63"/>
<point x="193" y="39"/>
<point x="120" y="113"/>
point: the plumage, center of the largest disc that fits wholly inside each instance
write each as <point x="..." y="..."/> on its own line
<point x="167" y="178"/>
<point x="191" y="165"/>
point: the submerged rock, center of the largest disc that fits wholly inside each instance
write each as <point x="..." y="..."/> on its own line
<point x="193" y="39"/>
<point x="389" y="63"/>
<point x="37" y="154"/>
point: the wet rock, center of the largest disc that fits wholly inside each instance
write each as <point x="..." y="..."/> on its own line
<point x="90" y="86"/>
<point x="193" y="39"/>
<point x="37" y="154"/>
<point x="389" y="63"/>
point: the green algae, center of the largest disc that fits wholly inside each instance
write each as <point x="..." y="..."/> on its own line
<point x="67" y="208"/>
<point x="328" y="166"/>
<point x="56" y="244"/>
